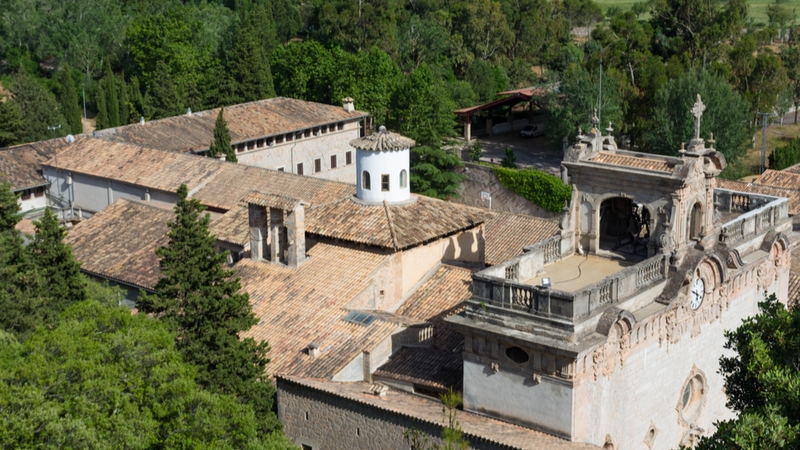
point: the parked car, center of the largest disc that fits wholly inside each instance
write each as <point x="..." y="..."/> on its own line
<point x="532" y="130"/>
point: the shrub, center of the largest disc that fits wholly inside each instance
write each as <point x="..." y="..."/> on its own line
<point x="540" y="188"/>
<point x="475" y="152"/>
<point x="785" y="156"/>
<point x="510" y="160"/>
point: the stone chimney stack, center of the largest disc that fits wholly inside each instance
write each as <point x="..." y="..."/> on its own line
<point x="277" y="228"/>
<point x="347" y="103"/>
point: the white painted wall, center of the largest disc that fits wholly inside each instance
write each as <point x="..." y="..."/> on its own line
<point x="33" y="203"/>
<point x="390" y="163"/>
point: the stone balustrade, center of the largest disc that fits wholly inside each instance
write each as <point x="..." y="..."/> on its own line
<point x="573" y="306"/>
<point x="759" y="213"/>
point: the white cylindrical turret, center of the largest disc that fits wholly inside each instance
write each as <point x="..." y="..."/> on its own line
<point x="382" y="167"/>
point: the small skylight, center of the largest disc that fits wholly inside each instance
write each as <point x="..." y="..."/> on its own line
<point x="360" y="318"/>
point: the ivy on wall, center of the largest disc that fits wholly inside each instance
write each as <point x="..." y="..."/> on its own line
<point x="540" y="188"/>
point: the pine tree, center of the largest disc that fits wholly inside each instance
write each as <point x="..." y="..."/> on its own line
<point x="124" y="103"/>
<point x="249" y="65"/>
<point x="20" y="301"/>
<point x="102" y="120"/>
<point x="68" y="100"/>
<point x="39" y="109"/>
<point x="112" y="96"/>
<point x="12" y="127"/>
<point x="222" y="139"/>
<point x="202" y="304"/>
<point x="57" y="266"/>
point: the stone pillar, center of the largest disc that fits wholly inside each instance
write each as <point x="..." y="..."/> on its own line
<point x="275" y="225"/>
<point x="468" y="130"/>
<point x="258" y="231"/>
<point x="296" y="225"/>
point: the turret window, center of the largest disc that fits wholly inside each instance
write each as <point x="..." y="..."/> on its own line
<point x="365" y="184"/>
<point x="385" y="183"/>
<point x="403" y="179"/>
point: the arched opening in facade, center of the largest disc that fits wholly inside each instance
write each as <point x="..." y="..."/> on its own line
<point x="696" y="221"/>
<point x="365" y="184"/>
<point x="403" y="179"/>
<point x="624" y="228"/>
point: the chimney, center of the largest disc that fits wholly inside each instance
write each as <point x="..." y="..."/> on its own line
<point x="188" y="111"/>
<point x="141" y="120"/>
<point x="347" y="103"/>
<point x="296" y="224"/>
<point x="258" y="231"/>
<point x="220" y="156"/>
<point x="313" y="349"/>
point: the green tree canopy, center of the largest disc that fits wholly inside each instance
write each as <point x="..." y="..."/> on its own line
<point x="68" y="100"/>
<point x="39" y="110"/>
<point x="103" y="378"/>
<point x="422" y="108"/>
<point x="12" y="128"/>
<point x="249" y="65"/>
<point x="200" y="301"/>
<point x="762" y="381"/>
<point x="727" y="115"/>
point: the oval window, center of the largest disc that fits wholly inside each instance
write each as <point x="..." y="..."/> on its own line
<point x="517" y="355"/>
<point x="692" y="398"/>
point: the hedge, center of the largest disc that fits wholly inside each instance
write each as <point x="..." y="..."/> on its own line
<point x="785" y="156"/>
<point x="540" y="188"/>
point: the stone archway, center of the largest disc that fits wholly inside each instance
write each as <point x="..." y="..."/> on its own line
<point x="624" y="227"/>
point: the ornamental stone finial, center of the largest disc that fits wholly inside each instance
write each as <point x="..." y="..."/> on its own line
<point x="697" y="112"/>
<point x="610" y="129"/>
<point x="595" y="120"/>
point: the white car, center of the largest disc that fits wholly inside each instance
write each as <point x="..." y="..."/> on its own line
<point x="533" y="130"/>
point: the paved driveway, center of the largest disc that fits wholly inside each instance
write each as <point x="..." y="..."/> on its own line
<point x="530" y="152"/>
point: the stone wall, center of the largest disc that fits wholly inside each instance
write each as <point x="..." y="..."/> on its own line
<point x="482" y="179"/>
<point x="321" y="420"/>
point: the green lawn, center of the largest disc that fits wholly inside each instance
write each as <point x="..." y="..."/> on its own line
<point x="758" y="8"/>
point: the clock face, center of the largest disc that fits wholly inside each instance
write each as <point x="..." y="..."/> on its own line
<point x="697" y="294"/>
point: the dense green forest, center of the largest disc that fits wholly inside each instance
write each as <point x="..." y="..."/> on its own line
<point x="409" y="63"/>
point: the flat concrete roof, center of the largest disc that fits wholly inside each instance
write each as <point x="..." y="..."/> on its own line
<point x="576" y="271"/>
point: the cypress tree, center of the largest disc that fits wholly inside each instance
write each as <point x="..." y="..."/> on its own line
<point x="166" y="99"/>
<point x="249" y="66"/>
<point x="39" y="109"/>
<point x="69" y="102"/>
<point x="101" y="120"/>
<point x="9" y="209"/>
<point x="222" y="139"/>
<point x="112" y="96"/>
<point x="56" y="265"/>
<point x="12" y="128"/>
<point x="200" y="300"/>
<point x="124" y="103"/>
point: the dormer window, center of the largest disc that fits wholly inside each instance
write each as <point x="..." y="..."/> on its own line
<point x="365" y="180"/>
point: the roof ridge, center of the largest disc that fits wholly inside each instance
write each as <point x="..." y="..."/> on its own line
<point x="391" y="224"/>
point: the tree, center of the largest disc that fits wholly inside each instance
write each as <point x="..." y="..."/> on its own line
<point x="785" y="156"/>
<point x="484" y="29"/>
<point x="761" y="382"/>
<point x="422" y="108"/>
<point x="288" y="21"/>
<point x="200" y="301"/>
<point x="57" y="267"/>
<point x="790" y="56"/>
<point x="12" y="127"/>
<point x="356" y="24"/>
<point x="767" y="80"/>
<point x="249" y="65"/>
<point x="510" y="159"/>
<point x="582" y="12"/>
<point x="432" y="172"/>
<point x="103" y="378"/>
<point x="39" y="110"/>
<point x="784" y="103"/>
<point x="108" y="104"/>
<point x="485" y="80"/>
<point x="167" y="99"/>
<point x="727" y="115"/>
<point x="68" y="101"/>
<point x="221" y="143"/>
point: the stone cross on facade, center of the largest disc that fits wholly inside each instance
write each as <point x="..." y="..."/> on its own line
<point x="697" y="112"/>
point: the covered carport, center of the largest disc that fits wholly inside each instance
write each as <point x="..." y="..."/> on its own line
<point x="503" y="108"/>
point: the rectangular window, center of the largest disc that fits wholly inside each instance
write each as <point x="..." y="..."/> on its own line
<point x="332" y="127"/>
<point x="279" y="139"/>
<point x="39" y="192"/>
<point x="288" y="137"/>
<point x="307" y="132"/>
<point x="385" y="183"/>
<point x="281" y="169"/>
<point x="317" y="165"/>
<point x="340" y="125"/>
<point x="299" y="168"/>
<point x="239" y="148"/>
<point x="333" y="161"/>
<point x="348" y="158"/>
<point x="270" y="141"/>
<point x="316" y="131"/>
<point x="323" y="130"/>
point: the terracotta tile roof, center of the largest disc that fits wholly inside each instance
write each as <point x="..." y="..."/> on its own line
<point x="394" y="226"/>
<point x="21" y="165"/>
<point x="444" y="294"/>
<point x="271" y="200"/>
<point x="25" y="226"/>
<point x="740" y="186"/>
<point x="119" y="242"/>
<point x="429" y="367"/>
<point x="236" y="181"/>
<point x="507" y="234"/>
<point x="154" y="169"/>
<point x="779" y="178"/>
<point x="232" y="227"/>
<point x="476" y="427"/>
<point x="246" y="121"/>
<point x="299" y="306"/>
<point x="383" y="141"/>
<point x="632" y="161"/>
<point x="794" y="289"/>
